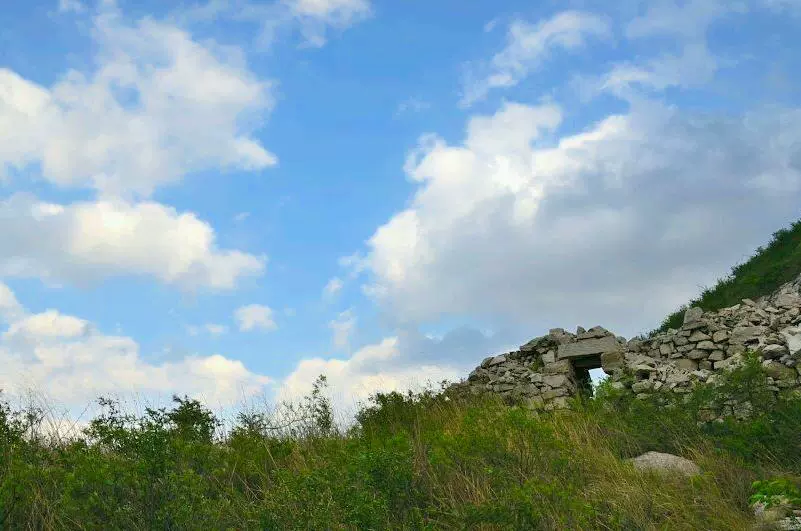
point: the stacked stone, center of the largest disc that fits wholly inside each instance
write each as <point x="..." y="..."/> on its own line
<point x="536" y="374"/>
<point x="542" y="372"/>
<point x="710" y="342"/>
<point x="530" y="374"/>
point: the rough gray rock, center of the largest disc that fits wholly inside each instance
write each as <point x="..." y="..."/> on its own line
<point x="668" y="463"/>
<point x="548" y="370"/>
<point x="780" y="515"/>
<point x="588" y="347"/>
<point x="693" y="314"/>
<point x="743" y="334"/>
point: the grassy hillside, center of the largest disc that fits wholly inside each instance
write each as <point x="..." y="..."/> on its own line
<point x="420" y="461"/>
<point x="424" y="461"/>
<point x="764" y="272"/>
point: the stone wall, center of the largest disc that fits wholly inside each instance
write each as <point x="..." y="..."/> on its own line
<point x="548" y="370"/>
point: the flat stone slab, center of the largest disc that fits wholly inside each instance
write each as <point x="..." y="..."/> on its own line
<point x="793" y="336"/>
<point x="743" y="334"/>
<point x="588" y="347"/>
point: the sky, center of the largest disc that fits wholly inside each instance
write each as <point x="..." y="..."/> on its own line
<point x="228" y="198"/>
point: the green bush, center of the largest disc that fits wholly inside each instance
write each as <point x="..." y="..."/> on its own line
<point x="424" y="460"/>
<point x="771" y="491"/>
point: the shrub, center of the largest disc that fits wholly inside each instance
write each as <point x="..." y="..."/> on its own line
<point x="775" y="490"/>
<point x="412" y="461"/>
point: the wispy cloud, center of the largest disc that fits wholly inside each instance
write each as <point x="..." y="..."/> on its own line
<point x="412" y="105"/>
<point x="70" y="6"/>
<point x="528" y="47"/>
<point x="210" y="328"/>
<point x="332" y="288"/>
<point x="343" y="327"/>
<point x="313" y="19"/>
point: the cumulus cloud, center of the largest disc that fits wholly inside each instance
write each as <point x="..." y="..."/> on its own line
<point x="158" y="106"/>
<point x="72" y="363"/>
<point x="87" y="241"/>
<point x="255" y="317"/>
<point x="621" y="221"/>
<point x="401" y="362"/>
<point x="529" y="46"/>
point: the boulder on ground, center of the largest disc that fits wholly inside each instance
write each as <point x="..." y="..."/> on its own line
<point x="662" y="462"/>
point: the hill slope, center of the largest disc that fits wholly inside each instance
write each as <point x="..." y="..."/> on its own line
<point x="426" y="461"/>
<point x="763" y="273"/>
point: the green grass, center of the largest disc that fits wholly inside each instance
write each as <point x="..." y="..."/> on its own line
<point x="414" y="461"/>
<point x="763" y="273"/>
<point x="422" y="461"/>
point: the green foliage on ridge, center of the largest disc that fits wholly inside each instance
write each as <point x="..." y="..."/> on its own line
<point x="763" y="273"/>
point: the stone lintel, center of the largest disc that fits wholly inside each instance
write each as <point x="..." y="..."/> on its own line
<point x="588" y="347"/>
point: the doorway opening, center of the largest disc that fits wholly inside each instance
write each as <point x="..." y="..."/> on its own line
<point x="588" y="373"/>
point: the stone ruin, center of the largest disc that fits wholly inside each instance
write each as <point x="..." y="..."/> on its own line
<point x="547" y="371"/>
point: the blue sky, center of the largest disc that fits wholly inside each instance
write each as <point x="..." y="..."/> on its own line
<point x="227" y="198"/>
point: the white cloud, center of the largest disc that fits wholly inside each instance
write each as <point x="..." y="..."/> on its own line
<point x="10" y="308"/>
<point x="242" y="216"/>
<point x="254" y="317"/>
<point x="355" y="379"/>
<point x="686" y="24"/>
<point x="88" y="241"/>
<point x="342" y="328"/>
<point x="158" y="106"/>
<point x="694" y="66"/>
<point x="312" y="18"/>
<point x="405" y="361"/>
<point x="49" y="324"/>
<point x="620" y="222"/>
<point x="68" y="360"/>
<point x="332" y="288"/>
<point x="335" y="12"/>
<point x="355" y="264"/>
<point x="528" y="46"/>
<point x="491" y="25"/>
<point x="687" y="19"/>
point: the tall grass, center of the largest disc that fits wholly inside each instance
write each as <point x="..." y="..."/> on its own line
<point x="427" y="460"/>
